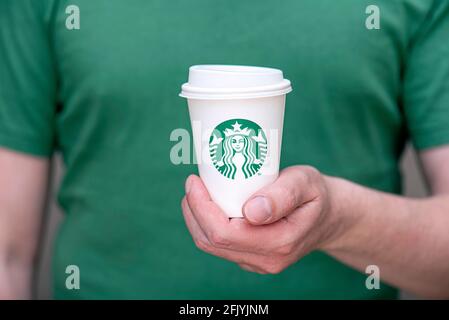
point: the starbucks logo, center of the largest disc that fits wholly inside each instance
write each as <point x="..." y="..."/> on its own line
<point x="238" y="148"/>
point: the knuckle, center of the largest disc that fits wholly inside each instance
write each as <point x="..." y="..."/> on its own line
<point x="273" y="268"/>
<point x="301" y="172"/>
<point x="311" y="174"/>
<point x="285" y="250"/>
<point x="312" y="177"/>
<point x="289" y="197"/>
<point x="202" y="245"/>
<point x="184" y="202"/>
<point x="309" y="170"/>
<point x="218" y="239"/>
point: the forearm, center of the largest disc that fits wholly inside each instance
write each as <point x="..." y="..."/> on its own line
<point x="17" y="256"/>
<point x="408" y="239"/>
<point x="15" y="279"/>
<point x="18" y="250"/>
<point x="23" y="186"/>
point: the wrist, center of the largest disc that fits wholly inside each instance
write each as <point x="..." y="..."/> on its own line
<point x="340" y="218"/>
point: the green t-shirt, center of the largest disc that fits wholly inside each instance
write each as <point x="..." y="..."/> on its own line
<point x="106" y="96"/>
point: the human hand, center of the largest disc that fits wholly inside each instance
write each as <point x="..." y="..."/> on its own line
<point x="283" y="221"/>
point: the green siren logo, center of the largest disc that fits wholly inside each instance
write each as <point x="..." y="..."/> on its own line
<point x="238" y="148"/>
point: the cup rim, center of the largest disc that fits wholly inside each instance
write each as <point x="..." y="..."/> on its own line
<point x="233" y="68"/>
<point x="191" y="92"/>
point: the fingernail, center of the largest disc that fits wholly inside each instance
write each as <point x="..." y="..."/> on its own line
<point x="258" y="210"/>
<point x="188" y="184"/>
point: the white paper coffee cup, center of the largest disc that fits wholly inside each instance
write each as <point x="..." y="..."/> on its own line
<point x="237" y="115"/>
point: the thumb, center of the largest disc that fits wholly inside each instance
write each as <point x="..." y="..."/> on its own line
<point x="280" y="198"/>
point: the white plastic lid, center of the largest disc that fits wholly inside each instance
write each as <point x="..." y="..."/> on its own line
<point x="234" y="82"/>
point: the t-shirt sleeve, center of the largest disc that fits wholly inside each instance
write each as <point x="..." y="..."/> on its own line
<point x="426" y="80"/>
<point x="27" y="79"/>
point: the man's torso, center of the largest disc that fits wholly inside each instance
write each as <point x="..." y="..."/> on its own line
<point x="120" y="75"/>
